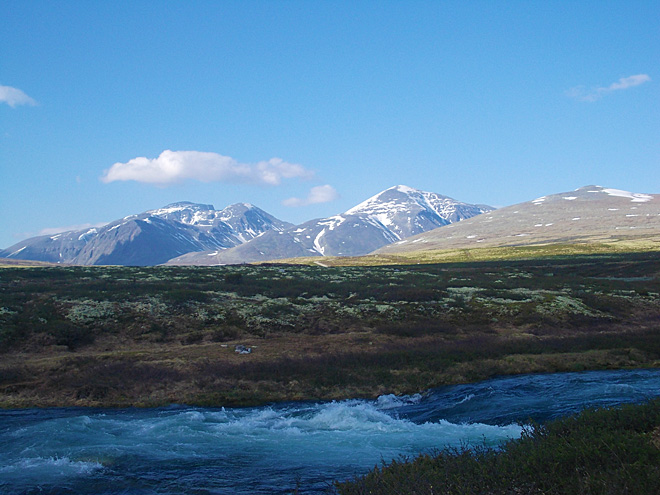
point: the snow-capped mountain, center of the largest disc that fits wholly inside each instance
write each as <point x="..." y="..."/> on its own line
<point x="395" y="220"/>
<point x="152" y="237"/>
<point x="588" y="214"/>
<point x="387" y="217"/>
<point x="405" y="211"/>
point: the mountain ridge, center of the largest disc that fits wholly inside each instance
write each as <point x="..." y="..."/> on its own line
<point x="151" y="237"/>
<point x="391" y="215"/>
<point x="397" y="220"/>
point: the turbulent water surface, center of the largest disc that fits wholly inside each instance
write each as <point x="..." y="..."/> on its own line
<point x="187" y="450"/>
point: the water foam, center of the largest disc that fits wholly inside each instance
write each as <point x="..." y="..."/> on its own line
<point x="52" y="467"/>
<point x="179" y="450"/>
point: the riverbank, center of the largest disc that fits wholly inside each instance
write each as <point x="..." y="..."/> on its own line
<point x="281" y="369"/>
<point x="606" y="451"/>
<point x="118" y="336"/>
<point x="293" y="447"/>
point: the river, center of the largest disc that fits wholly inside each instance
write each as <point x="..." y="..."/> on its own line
<point x="273" y="449"/>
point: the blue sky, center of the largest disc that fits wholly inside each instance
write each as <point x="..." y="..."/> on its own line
<point x="306" y="108"/>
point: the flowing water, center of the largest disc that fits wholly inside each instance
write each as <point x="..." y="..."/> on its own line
<point x="274" y="449"/>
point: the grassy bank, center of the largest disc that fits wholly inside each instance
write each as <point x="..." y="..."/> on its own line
<point x="607" y="452"/>
<point x="430" y="255"/>
<point x="118" y="336"/>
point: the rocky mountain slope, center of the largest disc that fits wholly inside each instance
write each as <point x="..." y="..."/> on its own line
<point x="387" y="217"/>
<point x="397" y="220"/>
<point x="591" y="213"/>
<point x="152" y="237"/>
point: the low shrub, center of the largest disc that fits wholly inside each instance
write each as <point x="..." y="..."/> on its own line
<point x="601" y="452"/>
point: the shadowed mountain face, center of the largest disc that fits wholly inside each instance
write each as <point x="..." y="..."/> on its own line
<point x="591" y="213"/>
<point x="152" y="237"/>
<point x="387" y="217"/>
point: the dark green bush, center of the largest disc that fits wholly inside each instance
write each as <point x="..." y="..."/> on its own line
<point x="185" y="295"/>
<point x="233" y="278"/>
<point x="599" y="452"/>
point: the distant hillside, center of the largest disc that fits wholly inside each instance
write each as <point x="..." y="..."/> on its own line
<point x="589" y="214"/>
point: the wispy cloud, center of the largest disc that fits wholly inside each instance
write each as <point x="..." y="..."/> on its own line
<point x="592" y="94"/>
<point x="69" y="228"/>
<point x="58" y="230"/>
<point x="14" y="97"/>
<point x="318" y="194"/>
<point x="172" y="167"/>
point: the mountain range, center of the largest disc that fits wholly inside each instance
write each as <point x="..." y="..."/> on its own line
<point x="394" y="214"/>
<point x="397" y="220"/>
<point x="189" y="233"/>
<point x="152" y="237"/>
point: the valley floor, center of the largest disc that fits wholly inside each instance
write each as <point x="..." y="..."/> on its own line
<point x="117" y="336"/>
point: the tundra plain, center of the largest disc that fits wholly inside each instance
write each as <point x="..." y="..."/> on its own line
<point x="149" y="336"/>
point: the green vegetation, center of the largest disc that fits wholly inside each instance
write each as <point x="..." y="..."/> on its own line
<point x="118" y="336"/>
<point x="606" y="452"/>
<point x="432" y="254"/>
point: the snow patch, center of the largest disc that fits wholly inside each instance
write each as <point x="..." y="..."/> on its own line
<point x="570" y="198"/>
<point x="17" y="251"/>
<point x="333" y="222"/>
<point x="317" y="245"/>
<point x="405" y="189"/>
<point x="634" y="197"/>
<point x="90" y="232"/>
<point x="385" y="219"/>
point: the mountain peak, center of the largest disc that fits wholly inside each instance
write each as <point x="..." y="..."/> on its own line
<point x="403" y="189"/>
<point x="378" y="201"/>
<point x="402" y="198"/>
<point x="182" y="205"/>
<point x="242" y="207"/>
<point x="389" y="216"/>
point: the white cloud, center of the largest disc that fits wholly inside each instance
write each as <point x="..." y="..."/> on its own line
<point x="59" y="230"/>
<point x="318" y="194"/>
<point x="14" y="97"/>
<point x="176" y="166"/>
<point x="583" y="94"/>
